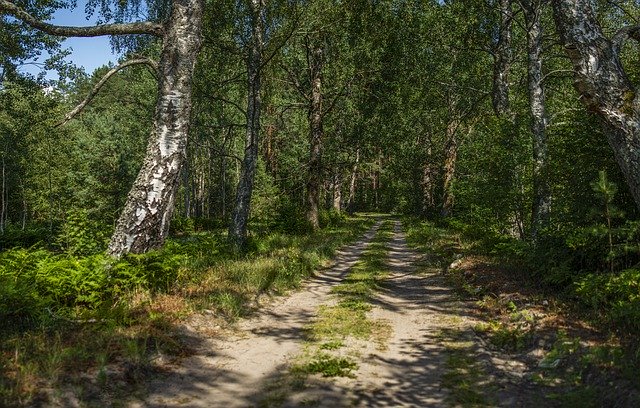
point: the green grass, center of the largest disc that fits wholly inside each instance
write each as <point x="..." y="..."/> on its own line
<point x="330" y="366"/>
<point x="327" y="351"/>
<point x="349" y="316"/>
<point x="463" y="376"/>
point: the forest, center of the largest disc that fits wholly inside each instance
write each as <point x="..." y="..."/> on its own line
<point x="238" y="147"/>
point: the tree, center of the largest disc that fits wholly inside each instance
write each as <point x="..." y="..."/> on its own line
<point x="602" y="82"/>
<point x="502" y="55"/>
<point x="241" y="210"/>
<point x="144" y="221"/>
<point x="541" y="207"/>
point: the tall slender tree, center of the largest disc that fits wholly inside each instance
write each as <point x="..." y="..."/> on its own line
<point x="541" y="206"/>
<point x="241" y="211"/>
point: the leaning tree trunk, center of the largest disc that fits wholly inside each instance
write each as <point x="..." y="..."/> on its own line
<point x="502" y="61"/>
<point x="144" y="223"/>
<point x="316" y="136"/>
<point x="241" y="211"/>
<point x="602" y="82"/>
<point x="541" y="206"/>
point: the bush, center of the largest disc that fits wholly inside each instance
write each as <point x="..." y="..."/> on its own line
<point x="615" y="296"/>
<point x="19" y="294"/>
<point x="292" y="219"/>
<point x="33" y="234"/>
<point x="331" y="218"/>
<point x="79" y="235"/>
<point x="182" y="226"/>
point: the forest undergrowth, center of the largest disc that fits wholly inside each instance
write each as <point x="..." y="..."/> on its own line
<point x="97" y="326"/>
<point x="579" y="347"/>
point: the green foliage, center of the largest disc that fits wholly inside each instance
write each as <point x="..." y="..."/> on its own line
<point x="331" y="218"/>
<point x="80" y="235"/>
<point x="615" y="296"/>
<point x="330" y="366"/>
<point x="291" y="219"/>
<point x="182" y="226"/>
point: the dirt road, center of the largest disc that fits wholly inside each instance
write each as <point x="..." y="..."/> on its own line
<point x="235" y="370"/>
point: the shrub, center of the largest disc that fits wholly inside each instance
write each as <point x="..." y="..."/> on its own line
<point x="331" y="218"/>
<point x="615" y="296"/>
<point x="80" y="235"/>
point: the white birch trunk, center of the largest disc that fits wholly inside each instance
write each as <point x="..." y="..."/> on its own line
<point x="541" y="206"/>
<point x="144" y="222"/>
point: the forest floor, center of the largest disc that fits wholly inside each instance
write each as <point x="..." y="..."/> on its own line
<point x="413" y="344"/>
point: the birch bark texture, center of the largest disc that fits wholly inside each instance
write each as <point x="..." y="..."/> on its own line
<point x="541" y="205"/>
<point x="502" y="60"/>
<point x="144" y="222"/>
<point x="602" y="83"/>
<point x="242" y="208"/>
<point x="316" y="134"/>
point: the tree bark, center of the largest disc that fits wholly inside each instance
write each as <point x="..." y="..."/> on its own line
<point x="316" y="136"/>
<point x="336" y="193"/>
<point x="541" y="206"/>
<point x="351" y="202"/>
<point x="242" y="208"/>
<point x="502" y="61"/>
<point x="602" y="83"/>
<point x="428" y="181"/>
<point x="449" y="168"/>
<point x="144" y="27"/>
<point x="144" y="222"/>
<point x="3" y="196"/>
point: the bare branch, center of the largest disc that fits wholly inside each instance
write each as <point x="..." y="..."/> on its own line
<point x="296" y="82"/>
<point x="556" y="71"/>
<point x="145" y="27"/>
<point x="150" y="63"/>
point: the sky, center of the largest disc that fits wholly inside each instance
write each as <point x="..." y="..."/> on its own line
<point x="89" y="53"/>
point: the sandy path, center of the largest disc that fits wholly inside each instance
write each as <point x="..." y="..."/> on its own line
<point x="234" y="371"/>
<point x="408" y="373"/>
<point x="231" y="372"/>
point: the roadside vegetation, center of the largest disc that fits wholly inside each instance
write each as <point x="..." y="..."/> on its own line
<point x="579" y="347"/>
<point x="96" y="326"/>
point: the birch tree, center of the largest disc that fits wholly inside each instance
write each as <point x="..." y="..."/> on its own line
<point x="144" y="222"/>
<point x="240" y="216"/>
<point x="602" y="82"/>
<point x="541" y="206"/>
<point x="502" y="55"/>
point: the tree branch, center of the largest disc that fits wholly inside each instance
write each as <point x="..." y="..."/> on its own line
<point x="623" y="35"/>
<point x="557" y="71"/>
<point x="295" y="82"/>
<point x="145" y="27"/>
<point x="150" y="63"/>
